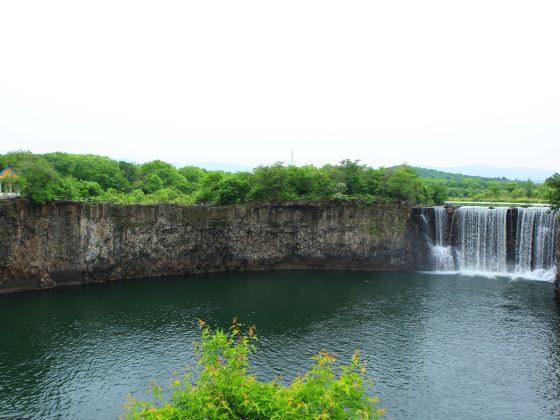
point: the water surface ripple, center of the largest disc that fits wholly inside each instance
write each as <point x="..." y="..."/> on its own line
<point x="438" y="347"/>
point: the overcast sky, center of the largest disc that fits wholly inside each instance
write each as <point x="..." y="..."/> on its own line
<point x="435" y="83"/>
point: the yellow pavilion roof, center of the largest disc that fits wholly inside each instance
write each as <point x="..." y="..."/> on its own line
<point x="8" y="173"/>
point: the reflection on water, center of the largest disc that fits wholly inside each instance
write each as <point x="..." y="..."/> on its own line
<point x="437" y="346"/>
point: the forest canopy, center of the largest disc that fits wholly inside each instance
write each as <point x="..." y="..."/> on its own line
<point x="63" y="176"/>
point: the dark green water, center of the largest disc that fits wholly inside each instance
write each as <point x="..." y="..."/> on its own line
<point x="438" y="347"/>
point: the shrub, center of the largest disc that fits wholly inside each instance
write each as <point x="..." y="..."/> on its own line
<point x="224" y="388"/>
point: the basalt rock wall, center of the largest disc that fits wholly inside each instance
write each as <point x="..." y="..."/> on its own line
<point x="75" y="243"/>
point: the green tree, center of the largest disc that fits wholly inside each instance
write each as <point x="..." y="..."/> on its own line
<point x="404" y="184"/>
<point x="270" y="183"/>
<point x="168" y="174"/>
<point x="192" y="174"/>
<point x="516" y="193"/>
<point x="152" y="183"/>
<point x="89" y="189"/>
<point x="103" y="170"/>
<point x="553" y="193"/>
<point x="232" y="190"/>
<point x="351" y="173"/>
<point x="529" y="188"/>
<point x="494" y="189"/>
<point x="39" y="180"/>
<point x="438" y="190"/>
<point x="373" y="181"/>
<point x="209" y="187"/>
<point x="129" y="171"/>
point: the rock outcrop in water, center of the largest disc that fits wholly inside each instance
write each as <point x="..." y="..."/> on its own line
<point x="72" y="243"/>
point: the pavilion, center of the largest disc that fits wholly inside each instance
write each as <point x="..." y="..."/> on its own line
<point x="9" y="183"/>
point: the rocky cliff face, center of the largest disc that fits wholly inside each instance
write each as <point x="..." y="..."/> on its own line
<point x="72" y="243"/>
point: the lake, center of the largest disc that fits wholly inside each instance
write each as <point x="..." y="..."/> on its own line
<point x="437" y="346"/>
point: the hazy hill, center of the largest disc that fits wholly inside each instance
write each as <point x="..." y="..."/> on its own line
<point x="452" y="176"/>
<point x="521" y="173"/>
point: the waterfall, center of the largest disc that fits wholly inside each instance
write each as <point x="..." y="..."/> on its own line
<point x="440" y="217"/>
<point x="442" y="253"/>
<point x="534" y="245"/>
<point x="514" y="242"/>
<point x="481" y="238"/>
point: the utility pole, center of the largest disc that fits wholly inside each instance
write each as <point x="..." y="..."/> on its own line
<point x="292" y="157"/>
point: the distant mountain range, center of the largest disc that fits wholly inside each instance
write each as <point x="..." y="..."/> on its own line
<point x="520" y="173"/>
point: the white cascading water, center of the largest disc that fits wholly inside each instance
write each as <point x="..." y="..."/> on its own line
<point x="534" y="244"/>
<point x="479" y="238"/>
<point x="442" y="253"/>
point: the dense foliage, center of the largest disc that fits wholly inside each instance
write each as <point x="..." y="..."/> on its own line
<point x="224" y="388"/>
<point x="553" y="193"/>
<point x="475" y="188"/>
<point x="88" y="177"/>
<point x="52" y="176"/>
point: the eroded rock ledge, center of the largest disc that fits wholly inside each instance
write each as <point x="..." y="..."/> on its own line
<point x="65" y="243"/>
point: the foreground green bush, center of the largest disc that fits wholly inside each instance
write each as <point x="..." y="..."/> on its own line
<point x="225" y="390"/>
